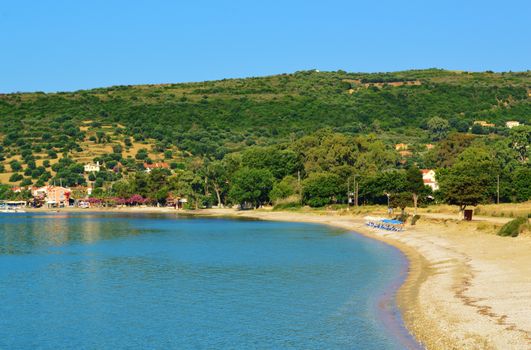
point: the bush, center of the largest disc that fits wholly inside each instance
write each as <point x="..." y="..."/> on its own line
<point x="402" y="217"/>
<point x="287" y="206"/>
<point x="512" y="228"/>
<point x="15" y="177"/>
<point x="414" y="219"/>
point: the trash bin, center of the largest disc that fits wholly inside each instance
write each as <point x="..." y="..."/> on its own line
<point x="468" y="214"/>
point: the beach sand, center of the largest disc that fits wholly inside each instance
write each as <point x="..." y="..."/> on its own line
<point x="466" y="289"/>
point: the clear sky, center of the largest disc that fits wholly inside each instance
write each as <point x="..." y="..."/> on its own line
<point x="60" y="45"/>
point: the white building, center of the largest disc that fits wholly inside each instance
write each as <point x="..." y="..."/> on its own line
<point x="512" y="123"/>
<point x="92" y="168"/>
<point x="428" y="176"/>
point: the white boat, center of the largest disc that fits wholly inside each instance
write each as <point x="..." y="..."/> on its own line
<point x="12" y="207"/>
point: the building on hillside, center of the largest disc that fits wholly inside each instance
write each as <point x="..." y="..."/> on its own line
<point x="484" y="123"/>
<point x="92" y="167"/>
<point x="429" y="146"/>
<point x="405" y="153"/>
<point x="401" y="146"/>
<point x="158" y="165"/>
<point x="512" y="123"/>
<point x="428" y="176"/>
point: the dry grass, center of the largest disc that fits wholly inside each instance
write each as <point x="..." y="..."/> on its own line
<point x="509" y="210"/>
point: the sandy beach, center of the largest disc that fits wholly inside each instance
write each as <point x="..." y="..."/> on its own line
<point x="466" y="289"/>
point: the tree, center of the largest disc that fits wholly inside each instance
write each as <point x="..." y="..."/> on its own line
<point x="283" y="189"/>
<point x="279" y="162"/>
<point x="251" y="186"/>
<point x="217" y="179"/>
<point x="471" y="180"/>
<point x="142" y="154"/>
<point x="400" y="200"/>
<point x="15" y="165"/>
<point x="520" y="141"/>
<point x="522" y="184"/>
<point x="15" y="177"/>
<point x="414" y="184"/>
<point x="438" y="127"/>
<point x="320" y="189"/>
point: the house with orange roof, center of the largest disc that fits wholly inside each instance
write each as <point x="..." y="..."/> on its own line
<point x="428" y="176"/>
<point x="401" y="146"/>
<point x="157" y="165"/>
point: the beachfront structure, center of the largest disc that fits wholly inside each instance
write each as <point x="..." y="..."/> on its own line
<point x="512" y="123"/>
<point x="40" y="191"/>
<point x="158" y="165"/>
<point x="428" y="176"/>
<point x="52" y="196"/>
<point x="92" y="167"/>
<point x="58" y="196"/>
<point x="176" y="202"/>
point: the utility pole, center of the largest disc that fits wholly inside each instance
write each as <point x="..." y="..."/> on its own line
<point x="299" y="184"/>
<point x="348" y="193"/>
<point x="356" y="190"/>
<point x="498" y="189"/>
<point x="357" y="193"/>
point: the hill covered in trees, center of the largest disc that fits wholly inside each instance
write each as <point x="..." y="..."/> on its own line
<point x="325" y="126"/>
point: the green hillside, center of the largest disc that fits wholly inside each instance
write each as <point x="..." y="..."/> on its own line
<point x="210" y="117"/>
<point x="198" y="122"/>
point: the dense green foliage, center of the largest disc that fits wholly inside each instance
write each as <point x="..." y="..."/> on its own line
<point x="250" y="141"/>
<point x="512" y="228"/>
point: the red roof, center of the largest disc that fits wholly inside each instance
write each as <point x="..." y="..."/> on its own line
<point x="156" y="165"/>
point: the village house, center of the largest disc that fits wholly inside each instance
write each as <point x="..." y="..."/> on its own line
<point x="158" y="165"/>
<point x="401" y="146"/>
<point x="429" y="146"/>
<point x="58" y="196"/>
<point x="52" y="196"/>
<point x="92" y="167"/>
<point x="405" y="153"/>
<point x="512" y="123"/>
<point x="428" y="176"/>
<point x="39" y="192"/>
<point x="484" y="123"/>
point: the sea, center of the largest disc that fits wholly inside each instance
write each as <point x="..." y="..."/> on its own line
<point x="154" y="281"/>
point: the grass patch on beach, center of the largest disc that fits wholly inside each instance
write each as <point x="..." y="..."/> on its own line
<point x="514" y="227"/>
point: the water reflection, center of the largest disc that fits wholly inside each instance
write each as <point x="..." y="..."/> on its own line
<point x="118" y="281"/>
<point x="23" y="233"/>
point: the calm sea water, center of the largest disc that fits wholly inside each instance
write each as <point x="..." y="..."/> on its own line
<point x="113" y="281"/>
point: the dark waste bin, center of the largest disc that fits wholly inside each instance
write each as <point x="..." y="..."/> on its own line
<point x="468" y="214"/>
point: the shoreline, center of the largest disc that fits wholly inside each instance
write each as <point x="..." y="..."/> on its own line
<point x="464" y="289"/>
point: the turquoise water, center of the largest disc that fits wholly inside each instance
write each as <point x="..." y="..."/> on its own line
<point x="113" y="281"/>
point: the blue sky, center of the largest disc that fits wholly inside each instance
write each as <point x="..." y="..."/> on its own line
<point x="60" y="45"/>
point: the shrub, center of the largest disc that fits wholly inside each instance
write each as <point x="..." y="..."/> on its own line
<point x="414" y="219"/>
<point x="286" y="206"/>
<point x="512" y="228"/>
<point x="402" y="217"/>
<point x="15" y="177"/>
